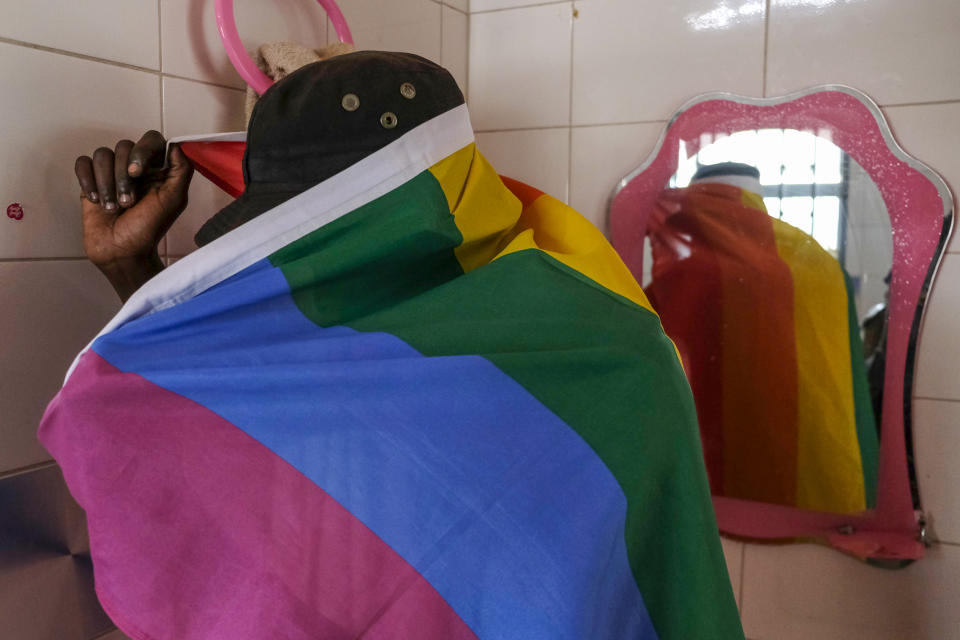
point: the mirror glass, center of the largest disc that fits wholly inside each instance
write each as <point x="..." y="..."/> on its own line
<point x="788" y="244"/>
<point x="769" y="261"/>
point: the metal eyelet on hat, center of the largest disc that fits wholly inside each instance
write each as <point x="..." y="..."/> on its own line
<point x="408" y="91"/>
<point x="388" y="120"/>
<point x="350" y="102"/>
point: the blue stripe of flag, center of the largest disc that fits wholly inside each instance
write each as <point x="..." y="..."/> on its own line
<point x="502" y="507"/>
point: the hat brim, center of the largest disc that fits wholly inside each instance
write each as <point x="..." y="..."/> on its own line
<point x="251" y="203"/>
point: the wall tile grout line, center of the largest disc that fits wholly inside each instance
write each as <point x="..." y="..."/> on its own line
<point x="162" y="246"/>
<point x="766" y="41"/>
<point x="936" y="399"/>
<point x="617" y="124"/>
<point x="113" y="63"/>
<point x="162" y="83"/>
<point x="206" y="82"/>
<point x="30" y="468"/>
<point x="163" y="132"/>
<point x="466" y="81"/>
<point x="743" y="572"/>
<point x="441" y="32"/>
<point x="42" y="259"/>
<point x="512" y="129"/>
<point x="572" y="126"/>
<point x="919" y="104"/>
<point x="520" y="6"/>
<point x="159" y="37"/>
<point x="74" y="54"/>
<point x="573" y="25"/>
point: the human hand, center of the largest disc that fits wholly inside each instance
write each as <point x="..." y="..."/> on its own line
<point x="128" y="202"/>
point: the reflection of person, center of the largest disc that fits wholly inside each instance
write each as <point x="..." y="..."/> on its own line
<point x="396" y="396"/>
<point x="764" y="321"/>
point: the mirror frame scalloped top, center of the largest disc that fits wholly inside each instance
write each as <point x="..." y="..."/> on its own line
<point x="920" y="206"/>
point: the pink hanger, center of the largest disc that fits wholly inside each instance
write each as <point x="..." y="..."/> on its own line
<point x="238" y="55"/>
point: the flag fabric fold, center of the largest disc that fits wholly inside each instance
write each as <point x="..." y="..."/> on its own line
<point x="414" y="401"/>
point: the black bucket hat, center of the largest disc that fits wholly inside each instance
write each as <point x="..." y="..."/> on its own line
<point x="726" y="169"/>
<point x="325" y="117"/>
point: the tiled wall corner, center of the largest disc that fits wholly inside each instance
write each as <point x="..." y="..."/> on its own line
<point x="460" y="5"/>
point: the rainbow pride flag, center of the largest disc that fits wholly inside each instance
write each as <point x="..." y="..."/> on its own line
<point x="767" y="328"/>
<point x="411" y="402"/>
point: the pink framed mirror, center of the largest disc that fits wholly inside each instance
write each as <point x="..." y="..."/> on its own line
<point x="788" y="245"/>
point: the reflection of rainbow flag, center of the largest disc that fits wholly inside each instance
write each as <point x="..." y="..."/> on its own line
<point x="765" y="321"/>
<point x="409" y="403"/>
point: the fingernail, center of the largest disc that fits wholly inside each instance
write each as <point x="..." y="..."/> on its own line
<point x="92" y="196"/>
<point x="110" y="206"/>
<point x="125" y="199"/>
<point x="133" y="167"/>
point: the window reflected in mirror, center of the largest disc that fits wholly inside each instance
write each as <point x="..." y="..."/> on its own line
<point x="811" y="184"/>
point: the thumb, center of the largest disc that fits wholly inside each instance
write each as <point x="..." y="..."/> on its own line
<point x="177" y="182"/>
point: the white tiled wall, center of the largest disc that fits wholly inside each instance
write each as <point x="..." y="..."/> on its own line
<point x="76" y="76"/>
<point x="56" y="107"/>
<point x="609" y="73"/>
<point x="521" y="83"/>
<point x="125" y="31"/>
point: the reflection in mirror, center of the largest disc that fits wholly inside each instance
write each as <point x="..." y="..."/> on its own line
<point x="770" y="249"/>
<point x="788" y="244"/>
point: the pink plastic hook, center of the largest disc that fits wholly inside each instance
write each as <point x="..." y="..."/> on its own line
<point x="245" y="66"/>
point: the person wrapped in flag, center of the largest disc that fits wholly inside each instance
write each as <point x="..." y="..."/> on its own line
<point x="766" y="324"/>
<point x="391" y="396"/>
